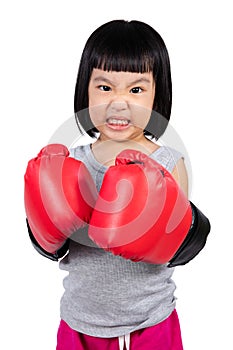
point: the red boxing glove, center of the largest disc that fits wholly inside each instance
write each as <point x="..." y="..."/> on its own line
<point x="141" y="212"/>
<point x="59" y="196"/>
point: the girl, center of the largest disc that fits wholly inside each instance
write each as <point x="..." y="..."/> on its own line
<point x="123" y="101"/>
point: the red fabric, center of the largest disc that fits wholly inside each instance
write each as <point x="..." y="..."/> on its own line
<point x="163" y="336"/>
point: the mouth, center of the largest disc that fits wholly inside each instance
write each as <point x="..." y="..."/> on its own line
<point x="118" y="123"/>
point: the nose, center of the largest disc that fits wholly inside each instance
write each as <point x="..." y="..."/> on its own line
<point x="119" y="103"/>
<point x="118" y="106"/>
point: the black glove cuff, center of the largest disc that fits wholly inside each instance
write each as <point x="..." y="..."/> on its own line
<point x="52" y="256"/>
<point x="195" y="239"/>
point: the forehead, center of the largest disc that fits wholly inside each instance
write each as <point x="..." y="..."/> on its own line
<point x="121" y="77"/>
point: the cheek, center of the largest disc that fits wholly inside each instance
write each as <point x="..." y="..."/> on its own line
<point x="140" y="116"/>
<point x="97" y="114"/>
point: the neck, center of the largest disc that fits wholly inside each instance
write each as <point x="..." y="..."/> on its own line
<point x="105" y="151"/>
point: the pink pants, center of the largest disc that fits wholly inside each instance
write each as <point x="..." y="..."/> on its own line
<point x="163" y="336"/>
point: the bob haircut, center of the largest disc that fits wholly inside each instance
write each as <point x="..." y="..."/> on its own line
<point x="129" y="46"/>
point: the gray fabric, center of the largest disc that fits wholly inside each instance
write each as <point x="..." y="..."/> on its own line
<point x="106" y="295"/>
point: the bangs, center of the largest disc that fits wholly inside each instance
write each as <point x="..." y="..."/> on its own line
<point x="125" y="61"/>
<point x="123" y="48"/>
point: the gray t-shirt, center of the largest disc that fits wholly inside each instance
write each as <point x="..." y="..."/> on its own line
<point x="107" y="295"/>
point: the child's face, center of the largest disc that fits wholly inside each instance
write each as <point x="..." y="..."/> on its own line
<point x="120" y="103"/>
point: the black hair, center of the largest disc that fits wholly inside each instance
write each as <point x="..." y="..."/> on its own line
<point x="130" y="46"/>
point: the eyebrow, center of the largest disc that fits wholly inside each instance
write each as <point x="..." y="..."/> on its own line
<point x="106" y="80"/>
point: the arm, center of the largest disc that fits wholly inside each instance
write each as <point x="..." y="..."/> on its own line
<point x="180" y="175"/>
<point x="200" y="228"/>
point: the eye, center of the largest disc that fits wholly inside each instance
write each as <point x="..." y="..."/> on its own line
<point x="104" y="88"/>
<point x="136" y="90"/>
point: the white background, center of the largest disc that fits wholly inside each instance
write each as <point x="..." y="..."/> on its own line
<point x="41" y="44"/>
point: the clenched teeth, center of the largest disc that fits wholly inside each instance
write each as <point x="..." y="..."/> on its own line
<point x="118" y="121"/>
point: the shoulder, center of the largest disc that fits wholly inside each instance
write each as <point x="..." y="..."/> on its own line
<point x="168" y="157"/>
<point x="79" y="152"/>
<point x="173" y="161"/>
